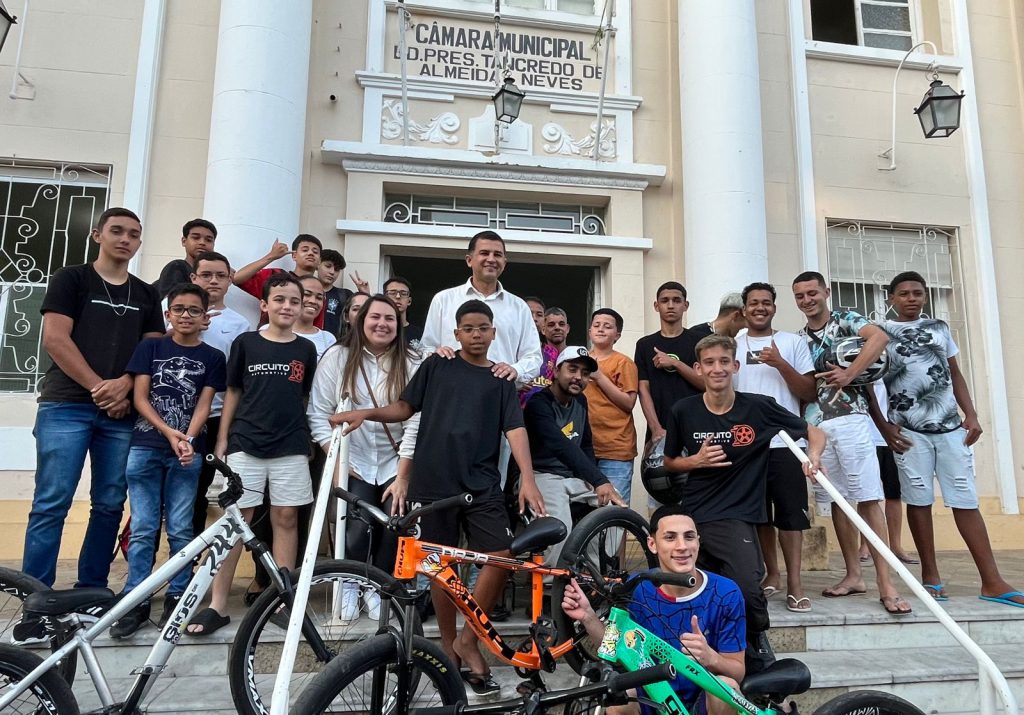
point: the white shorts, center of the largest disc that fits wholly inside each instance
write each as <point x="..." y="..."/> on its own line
<point x="942" y="456"/>
<point x="850" y="460"/>
<point x="290" y="483"/>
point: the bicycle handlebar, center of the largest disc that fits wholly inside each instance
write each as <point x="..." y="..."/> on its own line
<point x="616" y="684"/>
<point x="400" y="523"/>
<point x="618" y="590"/>
<point x="234" y="490"/>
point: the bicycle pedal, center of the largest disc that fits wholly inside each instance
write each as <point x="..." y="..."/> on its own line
<point x="529" y="687"/>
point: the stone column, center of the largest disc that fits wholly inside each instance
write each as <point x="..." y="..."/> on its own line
<point x="725" y="243"/>
<point x="258" y="125"/>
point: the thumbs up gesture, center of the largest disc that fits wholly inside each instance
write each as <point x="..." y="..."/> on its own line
<point x="278" y="250"/>
<point x="696" y="645"/>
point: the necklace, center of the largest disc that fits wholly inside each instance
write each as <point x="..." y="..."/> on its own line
<point x="110" y="299"/>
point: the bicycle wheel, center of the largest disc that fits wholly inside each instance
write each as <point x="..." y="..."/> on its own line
<point x="868" y="702"/>
<point x="15" y="587"/>
<point x="614" y="540"/>
<point x="50" y="694"/>
<point x="346" y="683"/>
<point x="256" y="651"/>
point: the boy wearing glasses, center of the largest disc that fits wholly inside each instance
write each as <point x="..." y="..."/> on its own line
<point x="175" y="378"/>
<point x="399" y="290"/>
<point x="465" y="410"/>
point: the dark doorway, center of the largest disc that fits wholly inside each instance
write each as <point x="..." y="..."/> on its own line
<point x="568" y="287"/>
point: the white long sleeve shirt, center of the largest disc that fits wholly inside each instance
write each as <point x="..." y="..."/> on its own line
<point x="371" y="455"/>
<point x="515" y="342"/>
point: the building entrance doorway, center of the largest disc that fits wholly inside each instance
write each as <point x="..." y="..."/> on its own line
<point x="573" y="288"/>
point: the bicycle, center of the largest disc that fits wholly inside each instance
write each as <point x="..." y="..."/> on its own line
<point x="23" y="672"/>
<point x="537" y="652"/>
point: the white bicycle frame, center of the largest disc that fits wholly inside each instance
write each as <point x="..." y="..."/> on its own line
<point x="219" y="538"/>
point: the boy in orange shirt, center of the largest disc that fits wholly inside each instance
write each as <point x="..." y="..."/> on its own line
<point x="611" y="396"/>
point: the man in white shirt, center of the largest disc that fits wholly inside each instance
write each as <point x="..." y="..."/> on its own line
<point x="779" y="365"/>
<point x="516" y="348"/>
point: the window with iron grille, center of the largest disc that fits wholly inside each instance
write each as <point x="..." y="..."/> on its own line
<point x="494" y="214"/>
<point x="864" y="257"/>
<point x="48" y="210"/>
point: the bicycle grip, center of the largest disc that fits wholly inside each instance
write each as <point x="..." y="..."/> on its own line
<point x="367" y="508"/>
<point x="664" y="578"/>
<point x="446" y="503"/>
<point x="621" y="682"/>
<point x="218" y="464"/>
<point x="441" y="710"/>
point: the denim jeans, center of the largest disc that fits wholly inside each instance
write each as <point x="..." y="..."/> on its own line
<point x="619" y="473"/>
<point x="158" y="483"/>
<point x="65" y="432"/>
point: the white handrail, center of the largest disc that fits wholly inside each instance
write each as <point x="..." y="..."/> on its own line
<point x="989" y="676"/>
<point x="336" y="454"/>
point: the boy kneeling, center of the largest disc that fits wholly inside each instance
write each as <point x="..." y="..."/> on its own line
<point x="707" y="621"/>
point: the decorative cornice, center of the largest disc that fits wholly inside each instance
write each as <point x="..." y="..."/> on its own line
<point x="458" y="163"/>
<point x="444" y="88"/>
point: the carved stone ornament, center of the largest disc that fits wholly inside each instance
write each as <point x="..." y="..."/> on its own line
<point x="560" y="141"/>
<point x="439" y="130"/>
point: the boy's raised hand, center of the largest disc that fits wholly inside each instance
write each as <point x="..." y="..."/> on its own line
<point x="696" y="645"/>
<point x="575" y="603"/>
<point x="278" y="250"/>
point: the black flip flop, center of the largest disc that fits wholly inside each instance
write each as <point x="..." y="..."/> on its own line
<point x="210" y="620"/>
<point x="482" y="683"/>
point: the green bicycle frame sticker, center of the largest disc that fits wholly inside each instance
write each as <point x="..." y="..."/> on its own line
<point x="632" y="646"/>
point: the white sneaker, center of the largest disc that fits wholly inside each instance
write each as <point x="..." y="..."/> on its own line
<point x="372" y="601"/>
<point x="349" y="602"/>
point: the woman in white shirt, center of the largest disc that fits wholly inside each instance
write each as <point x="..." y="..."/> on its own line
<point x="371" y="370"/>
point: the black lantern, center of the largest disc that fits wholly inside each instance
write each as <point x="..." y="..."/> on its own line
<point x="6" y="20"/>
<point x="507" y="101"/>
<point x="939" y="111"/>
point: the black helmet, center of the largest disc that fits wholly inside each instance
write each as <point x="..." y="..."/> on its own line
<point x="664" y="485"/>
<point x="846" y="350"/>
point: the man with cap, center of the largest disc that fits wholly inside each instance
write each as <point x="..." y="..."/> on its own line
<point x="561" y="445"/>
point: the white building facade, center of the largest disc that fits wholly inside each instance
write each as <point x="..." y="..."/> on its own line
<point x="715" y="143"/>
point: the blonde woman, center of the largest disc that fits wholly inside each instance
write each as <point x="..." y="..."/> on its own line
<point x="372" y="369"/>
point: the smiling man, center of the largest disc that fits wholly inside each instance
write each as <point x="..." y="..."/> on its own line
<point x="723" y="439"/>
<point x="94" y="315"/>
<point x="515" y="350"/>
<point x="706" y="620"/>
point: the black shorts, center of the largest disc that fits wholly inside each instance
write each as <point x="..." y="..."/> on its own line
<point x="484" y="522"/>
<point x="890" y="473"/>
<point x="786" y="493"/>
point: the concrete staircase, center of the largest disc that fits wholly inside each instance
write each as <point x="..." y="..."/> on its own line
<point x="848" y="644"/>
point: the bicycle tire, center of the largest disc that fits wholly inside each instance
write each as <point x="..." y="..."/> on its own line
<point x="591" y="536"/>
<point x="256" y="650"/>
<point x="15" y="587"/>
<point x="51" y="693"/>
<point x="868" y="702"/>
<point x="434" y="671"/>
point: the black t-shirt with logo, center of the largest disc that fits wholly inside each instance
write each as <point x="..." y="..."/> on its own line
<point x="275" y="379"/>
<point x="109" y="322"/>
<point x="334" y="305"/>
<point x="465" y="411"/>
<point x="667" y="386"/>
<point x="745" y="433"/>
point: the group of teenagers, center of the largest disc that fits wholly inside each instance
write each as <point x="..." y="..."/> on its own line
<point x="489" y="397"/>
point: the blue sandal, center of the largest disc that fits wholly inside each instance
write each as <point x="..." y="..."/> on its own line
<point x="936" y="591"/>
<point x="1005" y="598"/>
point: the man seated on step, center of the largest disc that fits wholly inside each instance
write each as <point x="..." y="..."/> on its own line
<point x="706" y="621"/>
<point x="561" y="445"/>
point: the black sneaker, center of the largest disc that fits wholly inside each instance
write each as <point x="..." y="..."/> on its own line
<point x="170" y="605"/>
<point x="499" y="613"/>
<point x="131" y="621"/>
<point x="30" y="631"/>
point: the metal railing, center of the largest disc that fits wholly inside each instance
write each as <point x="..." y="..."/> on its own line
<point x="990" y="679"/>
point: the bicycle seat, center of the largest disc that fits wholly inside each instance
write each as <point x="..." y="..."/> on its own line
<point x="783" y="677"/>
<point x="538" y="535"/>
<point x="57" y="603"/>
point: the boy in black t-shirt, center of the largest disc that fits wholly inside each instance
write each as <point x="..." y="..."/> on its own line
<point x="263" y="431"/>
<point x="94" y="315"/>
<point x="332" y="266"/>
<point x="722" y="438"/>
<point x="176" y="377"/>
<point x="465" y="410"/>
<point x="197" y="237"/>
<point x="664" y="361"/>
